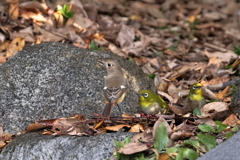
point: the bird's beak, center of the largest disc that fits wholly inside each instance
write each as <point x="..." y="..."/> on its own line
<point x="102" y="62"/>
<point x="139" y="94"/>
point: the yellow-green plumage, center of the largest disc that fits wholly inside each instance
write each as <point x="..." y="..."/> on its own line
<point x="196" y="92"/>
<point x="195" y="98"/>
<point x="151" y="103"/>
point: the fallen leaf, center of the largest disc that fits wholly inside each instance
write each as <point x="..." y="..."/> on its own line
<point x="159" y="122"/>
<point x="13" y="9"/>
<point x="116" y="128"/>
<point x="35" y="126"/>
<point x="210" y="108"/>
<point x="16" y="45"/>
<point x="137" y="128"/>
<point x="132" y="148"/>
<point x="125" y="36"/>
<point x="181" y="135"/>
<point x="143" y="137"/>
<point x="232" y="120"/>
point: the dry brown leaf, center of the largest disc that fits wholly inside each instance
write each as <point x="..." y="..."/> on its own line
<point x="147" y="68"/>
<point x="181" y="135"/>
<point x="159" y="122"/>
<point x="215" y="61"/>
<point x="13" y="9"/>
<point x="225" y="57"/>
<point x="163" y="94"/>
<point x="185" y="68"/>
<point x="125" y="36"/>
<point x="185" y="127"/>
<point x="223" y="93"/>
<point x="116" y="50"/>
<point x="16" y="45"/>
<point x="176" y="93"/>
<point x="205" y="121"/>
<point x="116" y="128"/>
<point x="59" y="18"/>
<point x="35" y="126"/>
<point x="2" y="144"/>
<point x="161" y="84"/>
<point x="4" y="46"/>
<point x="207" y="93"/>
<point x="210" y="108"/>
<point x="100" y="124"/>
<point x="46" y="36"/>
<point x="164" y="156"/>
<point x="37" y="17"/>
<point x="34" y="4"/>
<point x="146" y="136"/>
<point x="137" y="128"/>
<point x="132" y="148"/>
<point x="26" y="33"/>
<point x="71" y="126"/>
<point x="232" y="120"/>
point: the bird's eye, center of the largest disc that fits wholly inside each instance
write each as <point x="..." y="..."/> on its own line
<point x="193" y="87"/>
<point x="109" y="64"/>
<point x="145" y="95"/>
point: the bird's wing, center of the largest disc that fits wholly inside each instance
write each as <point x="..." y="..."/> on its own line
<point x="113" y="94"/>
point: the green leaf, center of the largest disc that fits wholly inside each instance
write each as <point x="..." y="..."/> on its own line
<point x="206" y="128"/>
<point x="152" y="76"/>
<point x="229" y="135"/>
<point x="66" y="12"/>
<point x="220" y="127"/>
<point x="161" y="139"/>
<point x="229" y="66"/>
<point x="234" y="88"/>
<point x="237" y="49"/>
<point x="137" y="38"/>
<point x="126" y="140"/>
<point x="118" y="144"/>
<point x="207" y="140"/>
<point x="187" y="153"/>
<point x="212" y="100"/>
<point x="141" y="157"/>
<point x="163" y="27"/>
<point x="93" y="46"/>
<point x="232" y="132"/>
<point x="197" y="111"/>
<point x="193" y="143"/>
<point x="131" y="60"/>
<point x="183" y="153"/>
<point x="235" y="129"/>
<point x="171" y="150"/>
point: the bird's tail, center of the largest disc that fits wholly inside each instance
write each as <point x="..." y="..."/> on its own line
<point x="108" y="109"/>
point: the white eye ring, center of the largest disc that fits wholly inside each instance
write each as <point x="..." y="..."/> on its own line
<point x="145" y="95"/>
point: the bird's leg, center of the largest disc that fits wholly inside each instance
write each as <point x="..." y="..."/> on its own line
<point x="119" y="109"/>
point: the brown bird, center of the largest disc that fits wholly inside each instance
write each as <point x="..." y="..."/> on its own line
<point x="115" y="85"/>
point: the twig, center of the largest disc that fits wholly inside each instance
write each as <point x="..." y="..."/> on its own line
<point x="224" y="84"/>
<point x="215" y="47"/>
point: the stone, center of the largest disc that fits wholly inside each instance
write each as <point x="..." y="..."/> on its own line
<point x="33" y="145"/>
<point x="226" y="150"/>
<point x="53" y="80"/>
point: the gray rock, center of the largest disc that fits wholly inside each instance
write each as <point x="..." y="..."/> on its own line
<point x="228" y="150"/>
<point x="53" y="80"/>
<point x="32" y="146"/>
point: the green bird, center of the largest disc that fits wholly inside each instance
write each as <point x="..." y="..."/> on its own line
<point x="151" y="103"/>
<point x="195" y="98"/>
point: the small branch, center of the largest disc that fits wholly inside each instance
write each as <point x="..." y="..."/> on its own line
<point x="223" y="85"/>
